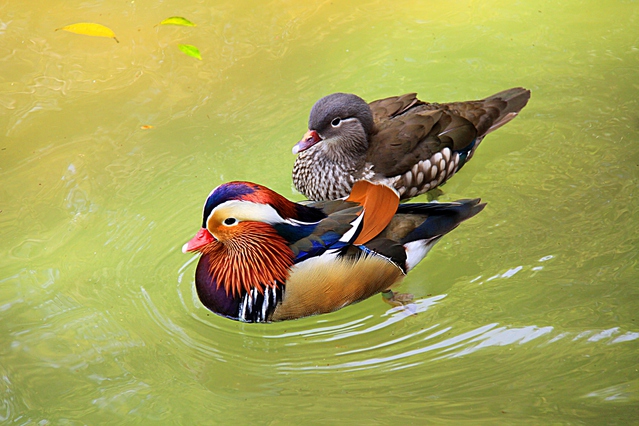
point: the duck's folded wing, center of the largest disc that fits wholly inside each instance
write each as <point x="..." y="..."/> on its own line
<point x="334" y="232"/>
<point x="402" y="142"/>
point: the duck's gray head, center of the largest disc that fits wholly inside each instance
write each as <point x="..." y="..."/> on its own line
<point x="342" y="120"/>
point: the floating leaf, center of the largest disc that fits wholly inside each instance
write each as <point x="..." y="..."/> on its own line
<point x="177" y="20"/>
<point x="146" y="127"/>
<point x="190" y="50"/>
<point x="90" y="29"/>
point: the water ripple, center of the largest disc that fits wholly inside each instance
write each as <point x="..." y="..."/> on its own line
<point x="353" y="340"/>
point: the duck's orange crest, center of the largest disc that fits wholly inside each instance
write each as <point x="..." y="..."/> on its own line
<point x="256" y="257"/>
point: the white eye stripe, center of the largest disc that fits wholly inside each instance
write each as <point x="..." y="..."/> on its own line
<point x="337" y="121"/>
<point x="231" y="213"/>
<point x="246" y="211"/>
<point x="250" y="211"/>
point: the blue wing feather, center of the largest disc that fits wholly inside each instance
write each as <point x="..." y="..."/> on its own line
<point x="319" y="244"/>
<point x="292" y="233"/>
<point x="463" y="153"/>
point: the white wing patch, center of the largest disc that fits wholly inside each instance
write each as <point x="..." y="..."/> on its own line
<point x="355" y="225"/>
<point x="417" y="250"/>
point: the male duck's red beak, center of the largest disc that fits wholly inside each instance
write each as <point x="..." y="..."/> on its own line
<point x="310" y="138"/>
<point x="202" y="238"/>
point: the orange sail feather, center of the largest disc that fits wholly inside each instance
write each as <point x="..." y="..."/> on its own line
<point x="380" y="204"/>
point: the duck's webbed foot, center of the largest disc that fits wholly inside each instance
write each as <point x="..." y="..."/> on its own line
<point x="397" y="299"/>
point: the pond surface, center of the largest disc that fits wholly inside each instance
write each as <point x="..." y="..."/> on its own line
<point x="526" y="314"/>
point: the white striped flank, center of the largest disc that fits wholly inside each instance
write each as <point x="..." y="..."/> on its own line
<point x="252" y="310"/>
<point x="243" y="306"/>
<point x="268" y="291"/>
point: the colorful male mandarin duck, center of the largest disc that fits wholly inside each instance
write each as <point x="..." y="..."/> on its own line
<point x="411" y="145"/>
<point x="265" y="258"/>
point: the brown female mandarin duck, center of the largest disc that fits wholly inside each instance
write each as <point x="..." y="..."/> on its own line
<point x="411" y="145"/>
<point x="265" y="258"/>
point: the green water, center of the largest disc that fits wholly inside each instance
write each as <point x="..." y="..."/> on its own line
<point x="526" y="314"/>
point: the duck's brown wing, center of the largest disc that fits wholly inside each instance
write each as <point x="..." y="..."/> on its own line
<point x="408" y="130"/>
<point x="403" y="141"/>
<point x="386" y="108"/>
<point x="493" y="112"/>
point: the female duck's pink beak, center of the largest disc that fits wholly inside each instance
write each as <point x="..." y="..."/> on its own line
<point x="310" y="138"/>
<point x="202" y="238"/>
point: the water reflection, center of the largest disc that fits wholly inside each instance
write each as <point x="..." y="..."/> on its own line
<point x="411" y="350"/>
<point x="353" y="340"/>
<point x="178" y="333"/>
<point x="618" y="393"/>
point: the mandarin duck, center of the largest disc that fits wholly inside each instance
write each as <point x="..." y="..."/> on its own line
<point x="411" y="145"/>
<point x="265" y="258"/>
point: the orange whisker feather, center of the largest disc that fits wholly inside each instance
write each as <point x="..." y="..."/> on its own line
<point x="256" y="257"/>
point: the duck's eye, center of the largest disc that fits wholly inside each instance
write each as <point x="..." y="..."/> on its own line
<point x="229" y="221"/>
<point x="336" y="122"/>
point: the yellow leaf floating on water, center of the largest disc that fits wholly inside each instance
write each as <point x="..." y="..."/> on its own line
<point x="90" y="29"/>
<point x="177" y="20"/>
<point x="146" y="127"/>
<point x="190" y="50"/>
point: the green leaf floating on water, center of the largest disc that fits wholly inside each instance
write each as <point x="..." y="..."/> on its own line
<point x="190" y="50"/>
<point x="177" y="20"/>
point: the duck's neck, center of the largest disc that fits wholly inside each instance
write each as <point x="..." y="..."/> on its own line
<point x="348" y="149"/>
<point x="319" y="176"/>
